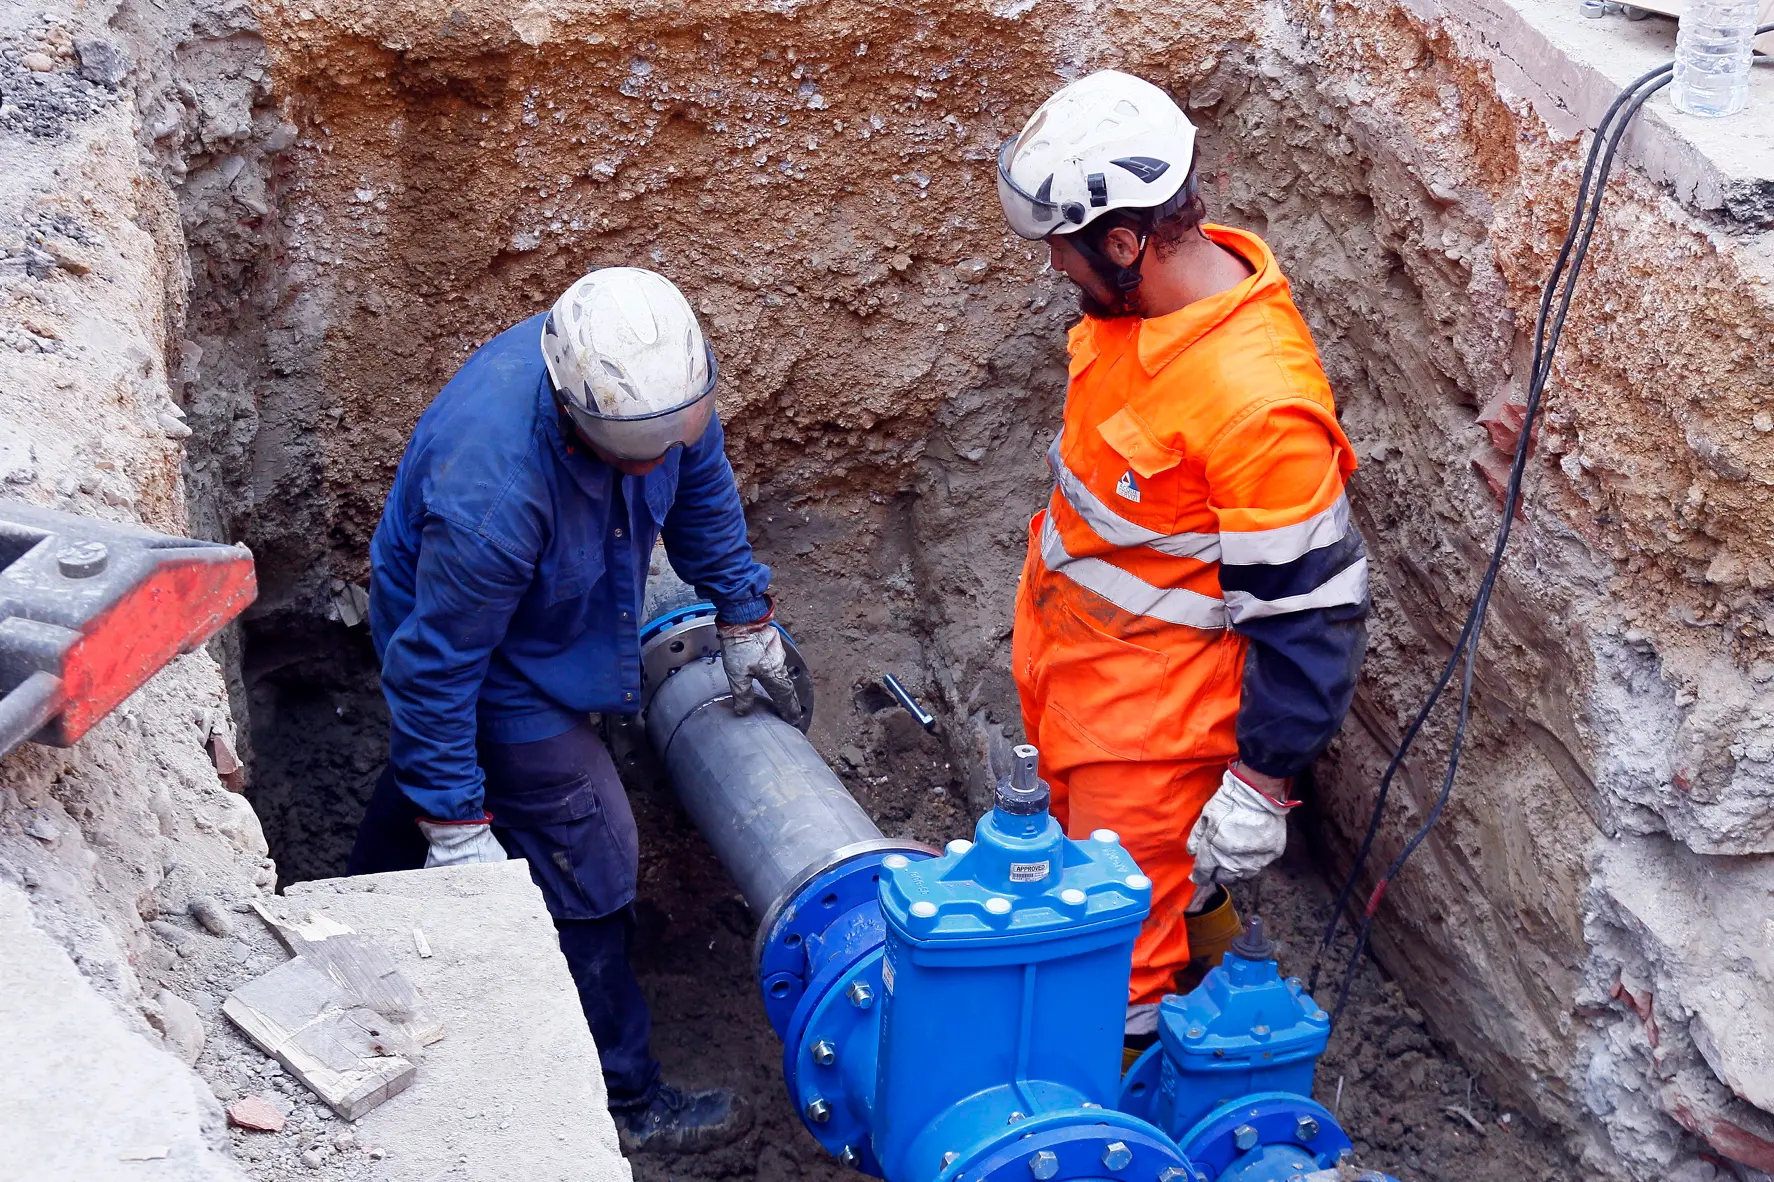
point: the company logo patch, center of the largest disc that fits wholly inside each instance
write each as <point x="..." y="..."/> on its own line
<point x="1127" y="488"/>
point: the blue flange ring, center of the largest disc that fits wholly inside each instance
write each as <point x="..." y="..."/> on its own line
<point x="1081" y="1146"/>
<point x="1139" y="1087"/>
<point x="1278" y="1120"/>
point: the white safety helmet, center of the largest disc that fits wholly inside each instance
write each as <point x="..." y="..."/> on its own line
<point x="629" y="363"/>
<point x="1106" y="142"/>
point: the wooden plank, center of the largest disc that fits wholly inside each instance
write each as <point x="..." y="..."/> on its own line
<point x="346" y="1053"/>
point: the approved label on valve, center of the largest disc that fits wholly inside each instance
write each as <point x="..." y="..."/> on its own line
<point x="1028" y="871"/>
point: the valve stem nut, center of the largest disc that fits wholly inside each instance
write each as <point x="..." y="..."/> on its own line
<point x="1305" y="1129"/>
<point x="819" y="1110"/>
<point x="824" y="1053"/>
<point x="1245" y="1137"/>
<point x="860" y="995"/>
<point x="1117" y="1156"/>
<point x="1043" y="1164"/>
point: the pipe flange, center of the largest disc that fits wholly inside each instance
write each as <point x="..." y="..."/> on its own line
<point x="686" y="634"/>
<point x="1076" y="1143"/>
<point x="1257" y="1135"/>
<point x="1139" y="1087"/>
<point x="838" y="859"/>
<point x="831" y="1028"/>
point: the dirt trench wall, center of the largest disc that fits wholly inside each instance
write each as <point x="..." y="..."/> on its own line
<point x="104" y="845"/>
<point x="819" y="179"/>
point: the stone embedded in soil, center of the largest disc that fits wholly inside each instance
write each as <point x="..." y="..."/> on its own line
<point x="255" y="1113"/>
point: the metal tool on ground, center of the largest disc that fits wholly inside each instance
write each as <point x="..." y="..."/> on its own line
<point x="89" y="610"/>
<point x="904" y="697"/>
<point x="959" y="1017"/>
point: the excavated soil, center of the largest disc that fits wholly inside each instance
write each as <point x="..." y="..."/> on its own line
<point x="368" y="192"/>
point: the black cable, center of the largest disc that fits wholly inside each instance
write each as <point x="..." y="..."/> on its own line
<point x="1573" y="251"/>
<point x="1584" y="197"/>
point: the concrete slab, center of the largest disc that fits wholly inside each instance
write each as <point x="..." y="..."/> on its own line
<point x="81" y="1094"/>
<point x="514" y="1086"/>
<point x="1570" y="68"/>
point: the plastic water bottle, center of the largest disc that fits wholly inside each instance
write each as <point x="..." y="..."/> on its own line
<point x="1712" y="55"/>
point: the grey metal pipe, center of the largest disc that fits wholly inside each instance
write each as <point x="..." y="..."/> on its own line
<point x="755" y="787"/>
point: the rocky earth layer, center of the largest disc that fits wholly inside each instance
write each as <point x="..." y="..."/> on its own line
<point x="105" y="847"/>
<point x="365" y="193"/>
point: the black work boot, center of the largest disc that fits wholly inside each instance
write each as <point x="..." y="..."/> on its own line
<point x="682" y="1122"/>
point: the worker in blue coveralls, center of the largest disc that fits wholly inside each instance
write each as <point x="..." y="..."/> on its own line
<point x="506" y="588"/>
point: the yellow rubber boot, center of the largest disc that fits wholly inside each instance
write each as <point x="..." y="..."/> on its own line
<point x="1211" y="933"/>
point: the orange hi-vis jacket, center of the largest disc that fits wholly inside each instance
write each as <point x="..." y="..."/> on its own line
<point x="1195" y="589"/>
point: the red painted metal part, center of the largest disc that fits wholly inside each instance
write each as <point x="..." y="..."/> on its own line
<point x="82" y="628"/>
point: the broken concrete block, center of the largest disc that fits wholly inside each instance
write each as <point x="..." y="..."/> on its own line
<point x="82" y="1092"/>
<point x="255" y="1113"/>
<point x="518" y="1040"/>
<point x="341" y="1050"/>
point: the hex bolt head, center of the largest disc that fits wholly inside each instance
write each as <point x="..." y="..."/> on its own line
<point x="1043" y="1163"/>
<point x="1174" y="1174"/>
<point x="81" y="560"/>
<point x="1245" y="1137"/>
<point x="849" y="1156"/>
<point x="1305" y="1129"/>
<point x="948" y="1159"/>
<point x="1016" y="1116"/>
<point x="860" y="995"/>
<point x="824" y="1053"/>
<point x="1117" y="1156"/>
<point x="819" y="1110"/>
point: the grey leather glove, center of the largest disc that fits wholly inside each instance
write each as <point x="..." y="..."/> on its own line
<point x="1239" y="832"/>
<point x="755" y="650"/>
<point x="457" y="843"/>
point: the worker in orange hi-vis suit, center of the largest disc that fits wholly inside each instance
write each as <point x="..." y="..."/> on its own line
<point x="1192" y="612"/>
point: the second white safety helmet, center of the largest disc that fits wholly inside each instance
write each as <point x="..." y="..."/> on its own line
<point x="1109" y="141"/>
<point x="629" y="363"/>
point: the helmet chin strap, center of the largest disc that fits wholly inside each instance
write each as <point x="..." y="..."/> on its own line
<point x="1124" y="282"/>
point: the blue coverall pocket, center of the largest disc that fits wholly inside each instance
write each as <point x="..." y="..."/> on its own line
<point x="559" y="805"/>
<point x="586" y="870"/>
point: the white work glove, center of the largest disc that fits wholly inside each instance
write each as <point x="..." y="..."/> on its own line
<point x="1239" y="832"/>
<point x="457" y="843"/>
<point x="755" y="650"/>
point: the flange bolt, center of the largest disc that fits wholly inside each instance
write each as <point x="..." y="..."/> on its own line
<point x="1175" y="1174"/>
<point x="1043" y="1163"/>
<point x="860" y="995"/>
<point x="819" y="1110"/>
<point x="824" y="1053"/>
<point x="81" y="560"/>
<point x="1306" y="1129"/>
<point x="849" y="1156"/>
<point x="1117" y="1156"/>
<point x="1245" y="1137"/>
<point x="948" y="1159"/>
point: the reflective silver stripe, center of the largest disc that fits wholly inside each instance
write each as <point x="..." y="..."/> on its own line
<point x="1116" y="530"/>
<point x="1348" y="585"/>
<point x="1273" y="547"/>
<point x="1175" y="606"/>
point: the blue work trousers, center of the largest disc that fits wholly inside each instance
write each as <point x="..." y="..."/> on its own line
<point x="559" y="804"/>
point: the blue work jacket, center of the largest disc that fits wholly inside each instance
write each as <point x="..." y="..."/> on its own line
<point x="509" y="565"/>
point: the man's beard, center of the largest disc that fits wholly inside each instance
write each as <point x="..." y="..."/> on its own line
<point x="1096" y="309"/>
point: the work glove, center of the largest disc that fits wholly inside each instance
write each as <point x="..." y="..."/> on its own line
<point x="457" y="843"/>
<point x="755" y="650"/>
<point x="1240" y="831"/>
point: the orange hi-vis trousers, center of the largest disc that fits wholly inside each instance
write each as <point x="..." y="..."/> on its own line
<point x="1194" y="591"/>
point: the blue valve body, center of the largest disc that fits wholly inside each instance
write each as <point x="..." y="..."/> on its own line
<point x="1243" y="1030"/>
<point x="1006" y="973"/>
